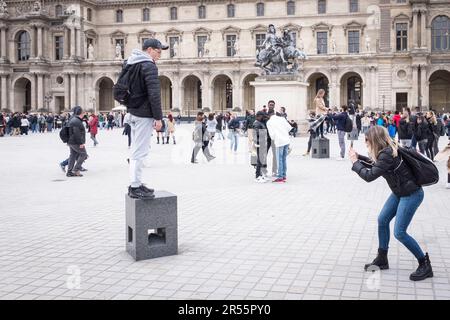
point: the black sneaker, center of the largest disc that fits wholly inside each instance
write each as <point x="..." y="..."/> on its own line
<point x="143" y="187"/>
<point x="74" y="174"/>
<point x="139" y="193"/>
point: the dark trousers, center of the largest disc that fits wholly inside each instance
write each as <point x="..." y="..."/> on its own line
<point x="77" y="157"/>
<point x="312" y="135"/>
<point x="320" y="130"/>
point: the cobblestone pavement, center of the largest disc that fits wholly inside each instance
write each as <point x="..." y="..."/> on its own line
<point x="307" y="239"/>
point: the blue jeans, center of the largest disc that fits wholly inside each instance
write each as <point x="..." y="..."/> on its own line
<point x="281" y="157"/>
<point x="234" y="140"/>
<point x="49" y="126"/>
<point x="403" y="208"/>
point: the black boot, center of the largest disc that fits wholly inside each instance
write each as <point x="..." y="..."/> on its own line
<point x="174" y="140"/>
<point x="381" y="261"/>
<point x="423" y="271"/>
<point x="157" y="139"/>
<point x="167" y="142"/>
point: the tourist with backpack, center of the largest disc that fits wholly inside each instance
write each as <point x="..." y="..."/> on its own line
<point x="200" y="137"/>
<point x="343" y="124"/>
<point x="76" y="143"/>
<point x="138" y="88"/>
<point x="233" y="132"/>
<point x="393" y="163"/>
<point x="93" y="128"/>
<point x="405" y="129"/>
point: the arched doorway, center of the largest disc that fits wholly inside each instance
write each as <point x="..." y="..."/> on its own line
<point x="223" y="93"/>
<point x="105" y="92"/>
<point x="440" y="91"/>
<point x="22" y="95"/>
<point x="316" y="82"/>
<point x="351" y="88"/>
<point x="192" y="94"/>
<point x="248" y="101"/>
<point x="166" y="93"/>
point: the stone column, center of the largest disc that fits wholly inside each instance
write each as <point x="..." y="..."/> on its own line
<point x="3" y="53"/>
<point x="78" y="42"/>
<point x="373" y="87"/>
<point x="67" y="105"/>
<point x="33" y="92"/>
<point x="72" y="43"/>
<point x="236" y="91"/>
<point x="205" y="91"/>
<point x="423" y="32"/>
<point x="39" y="41"/>
<point x="66" y="43"/>
<point x="183" y="105"/>
<point x="424" y="89"/>
<point x="4" y="96"/>
<point x="415" y="91"/>
<point x="40" y="91"/>
<point x="33" y="41"/>
<point x="415" y="33"/>
<point x="175" y="91"/>
<point x="338" y="95"/>
<point x="73" y="89"/>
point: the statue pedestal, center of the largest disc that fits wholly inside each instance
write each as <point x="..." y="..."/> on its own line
<point x="287" y="91"/>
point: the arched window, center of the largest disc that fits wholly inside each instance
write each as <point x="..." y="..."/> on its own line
<point x="290" y="7"/>
<point x="23" y="46"/>
<point x="173" y="13"/>
<point x="440" y="33"/>
<point x="201" y="12"/>
<point x="119" y="16"/>
<point x="58" y="10"/>
<point x="89" y="14"/>
<point x="146" y="14"/>
<point x="230" y="10"/>
<point x="260" y="9"/>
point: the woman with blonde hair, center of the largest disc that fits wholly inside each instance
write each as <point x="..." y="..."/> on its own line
<point x="321" y="110"/>
<point x="406" y="197"/>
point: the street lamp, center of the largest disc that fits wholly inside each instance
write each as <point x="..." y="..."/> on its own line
<point x="47" y="99"/>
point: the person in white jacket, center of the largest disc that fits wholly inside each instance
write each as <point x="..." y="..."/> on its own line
<point x="279" y="129"/>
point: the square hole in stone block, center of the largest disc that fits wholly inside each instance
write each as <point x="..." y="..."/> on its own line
<point x="156" y="236"/>
<point x="130" y="234"/>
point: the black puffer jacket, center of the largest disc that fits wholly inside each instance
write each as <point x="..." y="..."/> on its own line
<point x="77" y="131"/>
<point x="401" y="181"/>
<point x="422" y="131"/>
<point x="405" y="130"/>
<point x="147" y="89"/>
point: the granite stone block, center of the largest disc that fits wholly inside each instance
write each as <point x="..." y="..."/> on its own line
<point x="151" y="226"/>
<point x="320" y="148"/>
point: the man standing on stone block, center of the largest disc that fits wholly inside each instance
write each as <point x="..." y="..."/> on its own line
<point x="145" y="111"/>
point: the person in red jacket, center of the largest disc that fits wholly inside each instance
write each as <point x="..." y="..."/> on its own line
<point x="396" y="118"/>
<point x="93" y="128"/>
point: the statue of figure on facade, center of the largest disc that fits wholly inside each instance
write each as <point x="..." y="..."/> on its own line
<point x="279" y="55"/>
<point x="91" y="52"/>
<point x="205" y="52"/>
<point x="236" y="47"/>
<point x="175" y="49"/>
<point x="3" y="7"/>
<point x="367" y="43"/>
<point x="37" y="7"/>
<point x="333" y="46"/>
<point x="118" y="51"/>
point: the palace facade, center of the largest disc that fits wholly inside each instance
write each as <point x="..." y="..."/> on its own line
<point x="385" y="54"/>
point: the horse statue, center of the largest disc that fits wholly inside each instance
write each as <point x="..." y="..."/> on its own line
<point x="279" y="56"/>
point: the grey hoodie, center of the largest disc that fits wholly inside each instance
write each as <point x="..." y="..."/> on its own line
<point x="138" y="56"/>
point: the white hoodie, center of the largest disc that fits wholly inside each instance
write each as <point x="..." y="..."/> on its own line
<point x="279" y="128"/>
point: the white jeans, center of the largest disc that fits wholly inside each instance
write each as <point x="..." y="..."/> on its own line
<point x="141" y="131"/>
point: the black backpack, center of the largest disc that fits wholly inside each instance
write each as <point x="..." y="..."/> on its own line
<point x="64" y="134"/>
<point x="348" y="125"/>
<point x="121" y="90"/>
<point x="421" y="167"/>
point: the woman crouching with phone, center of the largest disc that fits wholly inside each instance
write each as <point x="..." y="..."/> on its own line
<point x="406" y="197"/>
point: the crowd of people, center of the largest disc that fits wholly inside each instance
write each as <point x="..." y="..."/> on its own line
<point x="18" y="123"/>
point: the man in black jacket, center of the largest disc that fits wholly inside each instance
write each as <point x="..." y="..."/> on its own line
<point x="77" y="139"/>
<point x="145" y="110"/>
